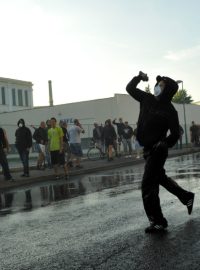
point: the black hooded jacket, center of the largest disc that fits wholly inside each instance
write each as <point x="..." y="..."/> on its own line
<point x="157" y="114"/>
<point x="40" y="134"/>
<point x="120" y="127"/>
<point x="23" y="136"/>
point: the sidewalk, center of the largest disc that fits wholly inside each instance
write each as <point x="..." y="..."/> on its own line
<point x="37" y="176"/>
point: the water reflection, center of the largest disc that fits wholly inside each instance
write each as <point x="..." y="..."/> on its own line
<point x="184" y="167"/>
<point x="28" y="200"/>
<point x="6" y="201"/>
<point x="43" y="195"/>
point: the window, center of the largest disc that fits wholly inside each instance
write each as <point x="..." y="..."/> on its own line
<point x="3" y="95"/>
<point x="13" y="97"/>
<point x="26" y="98"/>
<point x="20" y="98"/>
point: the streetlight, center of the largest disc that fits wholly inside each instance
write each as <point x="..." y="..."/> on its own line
<point x="186" y="139"/>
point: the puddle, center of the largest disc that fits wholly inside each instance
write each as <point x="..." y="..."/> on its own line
<point x="44" y="194"/>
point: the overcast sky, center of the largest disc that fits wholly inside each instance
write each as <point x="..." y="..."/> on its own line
<point x="92" y="48"/>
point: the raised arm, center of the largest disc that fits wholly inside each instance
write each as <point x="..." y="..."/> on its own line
<point x="132" y="89"/>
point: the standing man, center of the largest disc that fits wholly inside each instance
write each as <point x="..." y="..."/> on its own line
<point x="110" y="137"/>
<point x="75" y="142"/>
<point x="55" y="141"/>
<point x="97" y="135"/>
<point x="181" y="132"/>
<point x="120" y="127"/>
<point x="47" y="152"/>
<point x="67" y="151"/>
<point x="194" y="134"/>
<point x="41" y="137"/>
<point x="23" y="144"/>
<point x="4" y="147"/>
<point x="157" y="117"/>
<point x="127" y="135"/>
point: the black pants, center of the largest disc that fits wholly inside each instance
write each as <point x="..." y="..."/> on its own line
<point x="4" y="164"/>
<point x="24" y="156"/>
<point x="154" y="175"/>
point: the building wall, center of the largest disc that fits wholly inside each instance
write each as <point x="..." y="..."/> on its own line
<point x="88" y="112"/>
<point x="6" y="86"/>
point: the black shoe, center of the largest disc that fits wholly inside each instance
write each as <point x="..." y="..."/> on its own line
<point x="190" y="203"/>
<point x="156" y="228"/>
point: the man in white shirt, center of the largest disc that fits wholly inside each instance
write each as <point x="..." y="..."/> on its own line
<point x="75" y="142"/>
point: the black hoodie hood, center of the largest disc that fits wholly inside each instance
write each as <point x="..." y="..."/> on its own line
<point x="21" y="121"/>
<point x="171" y="87"/>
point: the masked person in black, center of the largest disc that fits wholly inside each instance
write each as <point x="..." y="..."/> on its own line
<point x="23" y="144"/>
<point x="157" y="117"/>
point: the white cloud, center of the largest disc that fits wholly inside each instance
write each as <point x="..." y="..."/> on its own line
<point x="183" y="54"/>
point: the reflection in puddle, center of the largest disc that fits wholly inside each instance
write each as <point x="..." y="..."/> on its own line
<point x="185" y="167"/>
<point x="45" y="194"/>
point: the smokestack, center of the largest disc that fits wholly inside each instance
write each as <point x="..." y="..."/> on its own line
<point x="50" y="94"/>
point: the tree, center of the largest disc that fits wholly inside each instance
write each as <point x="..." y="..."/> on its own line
<point x="148" y="89"/>
<point x="182" y="97"/>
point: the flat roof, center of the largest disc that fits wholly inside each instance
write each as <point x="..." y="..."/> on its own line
<point x="14" y="81"/>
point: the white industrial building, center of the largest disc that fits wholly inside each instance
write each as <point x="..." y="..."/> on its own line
<point x="121" y="105"/>
<point x="15" y="95"/>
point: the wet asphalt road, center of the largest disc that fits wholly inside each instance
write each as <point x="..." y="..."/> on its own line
<point x="97" y="222"/>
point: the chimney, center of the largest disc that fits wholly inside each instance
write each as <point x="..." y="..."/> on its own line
<point x="50" y="94"/>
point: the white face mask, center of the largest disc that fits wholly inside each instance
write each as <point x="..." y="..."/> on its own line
<point x="157" y="90"/>
<point x="20" y="125"/>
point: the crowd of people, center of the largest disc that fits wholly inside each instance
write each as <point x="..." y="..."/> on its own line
<point x="56" y="146"/>
<point x="109" y="139"/>
<point x="60" y="146"/>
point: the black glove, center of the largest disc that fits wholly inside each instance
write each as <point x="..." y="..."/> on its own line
<point x="143" y="76"/>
